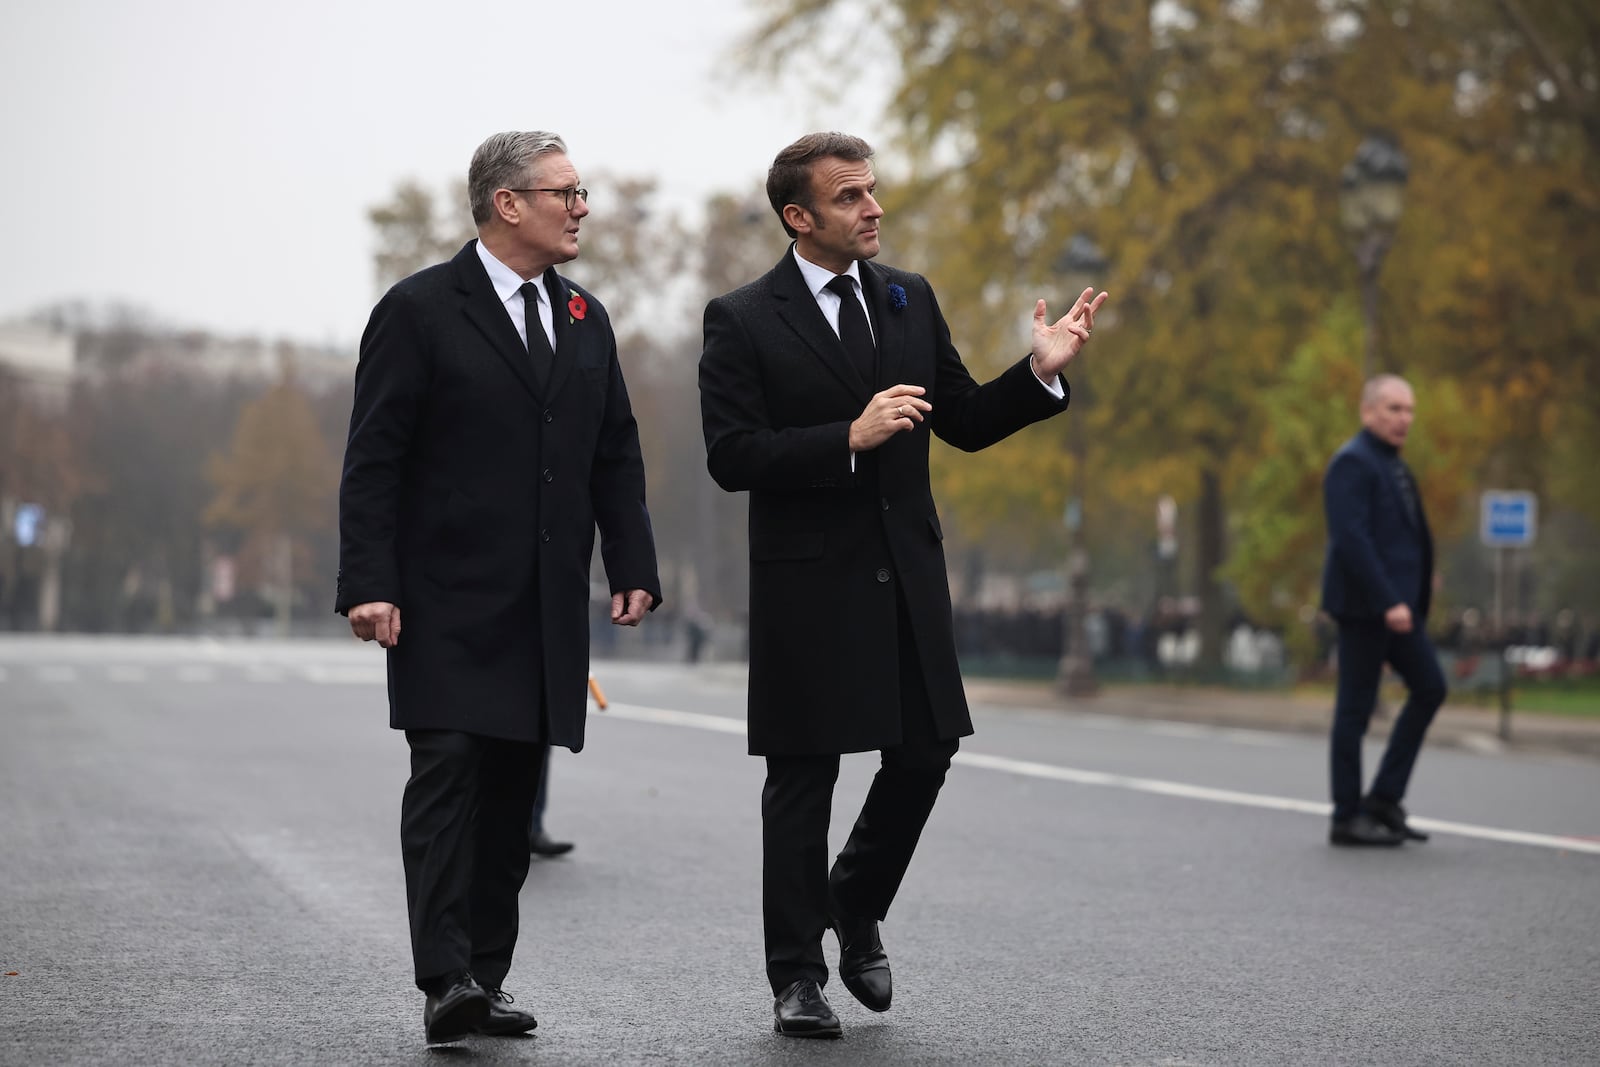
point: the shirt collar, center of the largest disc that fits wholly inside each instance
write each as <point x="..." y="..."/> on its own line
<point x="817" y="278"/>
<point x="1379" y="443"/>
<point x="507" y="282"/>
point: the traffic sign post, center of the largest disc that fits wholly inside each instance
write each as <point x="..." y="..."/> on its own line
<point x="1508" y="519"/>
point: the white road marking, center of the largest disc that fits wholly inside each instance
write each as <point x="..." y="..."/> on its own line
<point x="327" y="674"/>
<point x="1156" y="786"/>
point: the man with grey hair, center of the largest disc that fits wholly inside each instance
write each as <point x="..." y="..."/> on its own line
<point x="1377" y="583"/>
<point x="491" y="434"/>
<point x="821" y="384"/>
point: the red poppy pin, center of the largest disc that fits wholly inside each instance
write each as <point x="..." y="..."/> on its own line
<point x="577" y="307"/>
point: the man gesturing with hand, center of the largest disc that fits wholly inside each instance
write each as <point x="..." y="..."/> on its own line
<point x="819" y="385"/>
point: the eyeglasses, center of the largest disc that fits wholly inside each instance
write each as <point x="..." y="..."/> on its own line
<point x="571" y="195"/>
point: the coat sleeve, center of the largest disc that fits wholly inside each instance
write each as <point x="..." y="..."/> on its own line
<point x="970" y="416"/>
<point x="616" y="486"/>
<point x="391" y="380"/>
<point x="1347" y="499"/>
<point x="744" y="450"/>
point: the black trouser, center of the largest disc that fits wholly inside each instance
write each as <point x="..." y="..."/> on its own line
<point x="536" y="817"/>
<point x="1364" y="647"/>
<point x="464" y="839"/>
<point x="795" y="807"/>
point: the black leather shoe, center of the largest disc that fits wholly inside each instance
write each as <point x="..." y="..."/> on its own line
<point x="802" y="1011"/>
<point x="540" y="844"/>
<point x="1362" y="830"/>
<point x="456" y="1011"/>
<point x="504" y="1020"/>
<point x="863" y="965"/>
<point x="1393" y="816"/>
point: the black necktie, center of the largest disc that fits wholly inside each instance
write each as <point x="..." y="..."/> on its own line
<point x="539" y="352"/>
<point x="853" y="329"/>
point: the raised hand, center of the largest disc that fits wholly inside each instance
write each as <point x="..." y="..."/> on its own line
<point x="1055" y="345"/>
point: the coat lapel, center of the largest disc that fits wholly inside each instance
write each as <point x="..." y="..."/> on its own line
<point x="888" y="325"/>
<point x="567" y="339"/>
<point x="798" y="309"/>
<point x="485" y="311"/>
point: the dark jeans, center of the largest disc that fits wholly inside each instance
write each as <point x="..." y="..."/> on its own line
<point x="464" y="840"/>
<point x="796" y="804"/>
<point x="1364" y="647"/>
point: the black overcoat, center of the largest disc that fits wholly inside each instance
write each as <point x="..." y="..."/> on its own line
<point x="470" y="499"/>
<point x="830" y="549"/>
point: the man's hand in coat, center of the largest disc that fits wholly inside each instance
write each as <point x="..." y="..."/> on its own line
<point x="627" y="609"/>
<point x="896" y="409"/>
<point x="1398" y="618"/>
<point x="1054" y="346"/>
<point x="378" y="621"/>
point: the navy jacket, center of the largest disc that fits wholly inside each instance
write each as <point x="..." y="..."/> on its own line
<point x="1377" y="555"/>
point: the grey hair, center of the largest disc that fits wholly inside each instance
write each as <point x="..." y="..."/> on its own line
<point x="503" y="162"/>
<point x="1376" y="385"/>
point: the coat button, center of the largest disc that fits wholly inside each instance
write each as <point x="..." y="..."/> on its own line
<point x="883" y="574"/>
<point x="548" y="417"/>
<point x="885" y="503"/>
<point x="544" y="535"/>
<point x="549" y="475"/>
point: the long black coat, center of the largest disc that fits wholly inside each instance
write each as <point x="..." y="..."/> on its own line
<point x="830" y="549"/>
<point x="470" y="499"/>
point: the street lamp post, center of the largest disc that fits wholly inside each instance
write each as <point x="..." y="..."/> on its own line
<point x="1081" y="265"/>
<point x="1371" y="195"/>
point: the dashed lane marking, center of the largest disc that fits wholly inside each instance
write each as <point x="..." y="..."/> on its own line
<point x="1154" y="786"/>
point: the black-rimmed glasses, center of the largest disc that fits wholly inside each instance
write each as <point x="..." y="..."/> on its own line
<point x="571" y="194"/>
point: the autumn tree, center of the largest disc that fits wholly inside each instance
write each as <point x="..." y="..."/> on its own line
<point x="275" y="488"/>
<point x="1199" y="143"/>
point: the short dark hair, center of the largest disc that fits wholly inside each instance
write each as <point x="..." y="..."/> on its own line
<point x="789" y="177"/>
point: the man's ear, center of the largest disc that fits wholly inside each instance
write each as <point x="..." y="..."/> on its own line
<point x="798" y="218"/>
<point x="507" y="207"/>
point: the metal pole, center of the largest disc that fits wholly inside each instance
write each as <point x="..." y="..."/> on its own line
<point x="1075" y="674"/>
<point x="1369" y="315"/>
<point x="1500" y="556"/>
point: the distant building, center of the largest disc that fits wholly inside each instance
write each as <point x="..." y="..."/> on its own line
<point x="317" y="367"/>
<point x="42" y="358"/>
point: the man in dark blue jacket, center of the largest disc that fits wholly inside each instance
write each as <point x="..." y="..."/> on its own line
<point x="1377" y="583"/>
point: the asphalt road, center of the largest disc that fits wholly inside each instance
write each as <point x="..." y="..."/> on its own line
<point x="199" y="863"/>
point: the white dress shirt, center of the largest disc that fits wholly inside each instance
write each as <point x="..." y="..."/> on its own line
<point x="508" y="287"/>
<point x="817" y="279"/>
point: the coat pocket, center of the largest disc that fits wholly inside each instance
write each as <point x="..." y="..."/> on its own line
<point x="933" y="524"/>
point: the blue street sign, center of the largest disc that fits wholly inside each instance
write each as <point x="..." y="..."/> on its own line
<point x="1508" y="518"/>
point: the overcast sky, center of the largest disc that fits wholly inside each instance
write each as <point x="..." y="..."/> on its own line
<point x="213" y="162"/>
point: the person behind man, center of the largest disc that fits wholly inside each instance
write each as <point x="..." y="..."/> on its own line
<point x="490" y="435"/>
<point x="1377" y="582"/>
<point x="819" y="384"/>
<point x="540" y="843"/>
